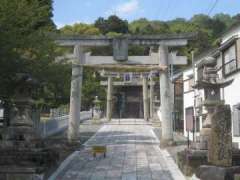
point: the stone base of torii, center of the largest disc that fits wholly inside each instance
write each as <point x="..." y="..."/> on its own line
<point x="159" y="61"/>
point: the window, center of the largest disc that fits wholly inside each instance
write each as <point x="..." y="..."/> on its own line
<point x="236" y="120"/>
<point x="229" y="60"/>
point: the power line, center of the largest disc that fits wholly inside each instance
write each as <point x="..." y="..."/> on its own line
<point x="161" y="14"/>
<point x="209" y="12"/>
<point x="212" y="8"/>
<point x="166" y="10"/>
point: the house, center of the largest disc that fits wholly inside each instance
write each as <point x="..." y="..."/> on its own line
<point x="228" y="67"/>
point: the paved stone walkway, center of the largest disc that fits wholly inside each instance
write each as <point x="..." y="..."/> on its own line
<point x="133" y="153"/>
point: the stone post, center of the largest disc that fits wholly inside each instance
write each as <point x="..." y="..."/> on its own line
<point x="220" y="140"/>
<point x="75" y="99"/>
<point x="165" y="98"/>
<point x="145" y="98"/>
<point x="109" y="98"/>
<point x="151" y="96"/>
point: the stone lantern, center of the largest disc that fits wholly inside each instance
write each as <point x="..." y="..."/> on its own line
<point x="21" y="124"/>
<point x="22" y="148"/>
<point x="215" y="135"/>
<point x="96" y="109"/>
<point x="209" y="81"/>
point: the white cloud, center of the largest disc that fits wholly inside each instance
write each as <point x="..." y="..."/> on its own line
<point x="128" y="7"/>
<point x="60" y="25"/>
<point x="124" y="9"/>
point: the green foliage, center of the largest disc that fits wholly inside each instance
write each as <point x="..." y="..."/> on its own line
<point x="112" y="24"/>
<point x="208" y="30"/>
<point x="236" y="19"/>
<point x="114" y="34"/>
<point x="22" y="27"/>
<point x="143" y="26"/>
<point x="26" y="48"/>
<point x="91" y="85"/>
<point x="80" y="29"/>
<point x="224" y="18"/>
<point x="92" y="88"/>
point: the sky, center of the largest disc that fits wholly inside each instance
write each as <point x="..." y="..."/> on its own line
<point x="87" y="11"/>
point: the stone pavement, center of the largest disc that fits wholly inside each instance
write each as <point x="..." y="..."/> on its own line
<point x="133" y="153"/>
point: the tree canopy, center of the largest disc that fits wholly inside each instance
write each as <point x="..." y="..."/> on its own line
<point x="27" y="48"/>
<point x="112" y="24"/>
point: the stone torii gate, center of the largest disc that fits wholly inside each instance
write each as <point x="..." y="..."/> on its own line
<point x="121" y="62"/>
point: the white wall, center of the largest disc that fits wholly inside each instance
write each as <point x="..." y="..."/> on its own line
<point x="1" y="113"/>
<point x="232" y="96"/>
<point x="188" y="99"/>
<point x="228" y="35"/>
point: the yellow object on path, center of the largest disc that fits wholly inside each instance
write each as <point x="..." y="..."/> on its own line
<point x="100" y="150"/>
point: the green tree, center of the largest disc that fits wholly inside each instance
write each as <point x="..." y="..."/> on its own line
<point x="80" y="29"/>
<point x="236" y="19"/>
<point x="92" y="88"/>
<point x="23" y="25"/>
<point x="91" y="84"/>
<point x="143" y="26"/>
<point x="27" y="48"/>
<point x="112" y="24"/>
<point x="224" y="18"/>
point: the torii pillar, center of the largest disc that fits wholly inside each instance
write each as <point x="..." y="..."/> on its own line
<point x="151" y="97"/>
<point x="109" y="98"/>
<point x="145" y="98"/>
<point x="75" y="98"/>
<point x="166" y="110"/>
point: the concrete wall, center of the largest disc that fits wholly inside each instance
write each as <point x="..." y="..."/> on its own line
<point x="59" y="124"/>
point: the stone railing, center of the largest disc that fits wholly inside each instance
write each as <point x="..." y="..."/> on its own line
<point x="56" y="125"/>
